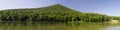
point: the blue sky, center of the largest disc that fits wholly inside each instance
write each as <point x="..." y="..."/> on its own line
<point x="109" y="7"/>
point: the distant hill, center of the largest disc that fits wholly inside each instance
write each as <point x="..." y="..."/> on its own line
<point x="54" y="13"/>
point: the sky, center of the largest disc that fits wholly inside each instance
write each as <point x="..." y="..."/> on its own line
<point x="108" y="7"/>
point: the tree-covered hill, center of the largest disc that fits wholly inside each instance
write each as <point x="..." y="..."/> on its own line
<point x="54" y="13"/>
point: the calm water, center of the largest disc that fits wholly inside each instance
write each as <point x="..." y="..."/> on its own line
<point x="58" y="26"/>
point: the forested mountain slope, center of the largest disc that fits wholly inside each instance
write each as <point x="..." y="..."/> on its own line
<point x="52" y="13"/>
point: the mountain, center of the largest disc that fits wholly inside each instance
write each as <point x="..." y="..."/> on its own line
<point x="56" y="7"/>
<point x="54" y="13"/>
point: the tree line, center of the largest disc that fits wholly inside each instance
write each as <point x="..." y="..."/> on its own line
<point x="55" y="13"/>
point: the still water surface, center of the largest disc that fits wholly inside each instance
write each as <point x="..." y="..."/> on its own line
<point x="58" y="26"/>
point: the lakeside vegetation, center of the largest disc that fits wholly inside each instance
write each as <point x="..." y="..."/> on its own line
<point x="54" y="13"/>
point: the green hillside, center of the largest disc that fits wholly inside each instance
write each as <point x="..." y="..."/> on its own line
<point x="54" y="13"/>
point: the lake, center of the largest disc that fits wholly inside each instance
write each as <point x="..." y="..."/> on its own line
<point x="58" y="26"/>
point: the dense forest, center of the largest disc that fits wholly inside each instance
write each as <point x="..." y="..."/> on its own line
<point x="54" y="13"/>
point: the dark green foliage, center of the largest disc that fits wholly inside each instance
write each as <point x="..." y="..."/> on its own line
<point x="54" y="13"/>
<point x="115" y="17"/>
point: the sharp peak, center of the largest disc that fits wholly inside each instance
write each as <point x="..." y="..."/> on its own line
<point x="57" y="5"/>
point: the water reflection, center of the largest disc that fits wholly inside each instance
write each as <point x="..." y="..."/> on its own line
<point x="52" y="26"/>
<point x="114" y="28"/>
